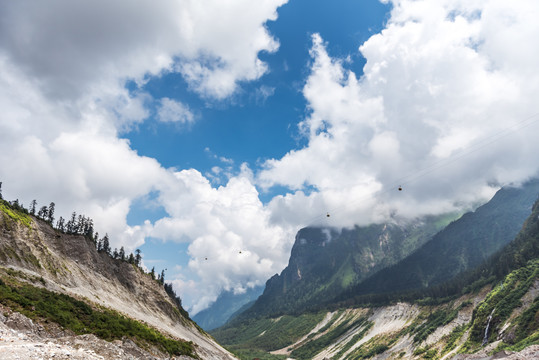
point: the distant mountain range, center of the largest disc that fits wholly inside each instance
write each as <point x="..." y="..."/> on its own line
<point x="326" y="261"/>
<point x="226" y="305"/>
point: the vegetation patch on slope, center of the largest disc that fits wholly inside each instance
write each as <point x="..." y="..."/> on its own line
<point x="434" y="320"/>
<point x="311" y="348"/>
<point x="17" y="216"/>
<point x="452" y="339"/>
<point x="266" y="334"/>
<point x="354" y="340"/>
<point x="498" y="307"/>
<point x="373" y="347"/>
<point x="79" y="317"/>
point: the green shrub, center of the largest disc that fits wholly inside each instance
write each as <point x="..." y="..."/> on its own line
<point x="454" y="336"/>
<point x="15" y="214"/>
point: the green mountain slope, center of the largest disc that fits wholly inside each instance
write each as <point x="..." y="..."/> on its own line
<point x="501" y="319"/>
<point x="325" y="261"/>
<point x="462" y="245"/>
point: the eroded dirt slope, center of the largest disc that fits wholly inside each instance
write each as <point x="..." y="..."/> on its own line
<point x="71" y="265"/>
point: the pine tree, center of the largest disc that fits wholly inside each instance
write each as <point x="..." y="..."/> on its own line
<point x="60" y="225"/>
<point x="106" y="244"/>
<point x="162" y="277"/>
<point x="79" y="227"/>
<point x="138" y="258"/>
<point x="33" y="205"/>
<point x="121" y="254"/>
<point x="50" y="213"/>
<point x="89" y="228"/>
<point x="1" y="198"/>
<point x="152" y="273"/>
<point x="70" y="227"/>
<point x="170" y="291"/>
<point x="115" y="253"/>
<point x="42" y="213"/>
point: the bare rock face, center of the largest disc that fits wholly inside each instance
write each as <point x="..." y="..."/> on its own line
<point x="71" y="265"/>
<point x="19" y="322"/>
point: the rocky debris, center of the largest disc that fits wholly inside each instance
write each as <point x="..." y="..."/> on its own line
<point x="21" y="339"/>
<point x="531" y="352"/>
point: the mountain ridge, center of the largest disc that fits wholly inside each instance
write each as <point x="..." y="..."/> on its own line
<point x="462" y="245"/>
<point x="225" y="307"/>
<point x="325" y="261"/>
<point x="329" y="266"/>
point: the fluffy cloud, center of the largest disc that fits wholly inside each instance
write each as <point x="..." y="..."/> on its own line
<point x="65" y="66"/>
<point x="441" y="108"/>
<point x="76" y="48"/>
<point x="172" y="111"/>
<point x="233" y="243"/>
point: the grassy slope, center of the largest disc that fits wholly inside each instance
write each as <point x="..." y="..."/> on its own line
<point x="258" y="337"/>
<point x="81" y="318"/>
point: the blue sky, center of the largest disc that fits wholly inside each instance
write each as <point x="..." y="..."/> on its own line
<point x="249" y="127"/>
<point x="196" y="130"/>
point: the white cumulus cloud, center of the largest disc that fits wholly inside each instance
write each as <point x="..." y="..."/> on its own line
<point x="64" y="97"/>
<point x="233" y="242"/>
<point x="441" y="109"/>
<point x="172" y="111"/>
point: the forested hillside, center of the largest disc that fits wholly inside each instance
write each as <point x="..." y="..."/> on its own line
<point x="462" y="245"/>
<point x="326" y="261"/>
<point x="329" y="266"/>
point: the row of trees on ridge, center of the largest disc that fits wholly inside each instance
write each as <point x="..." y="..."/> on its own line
<point x="83" y="225"/>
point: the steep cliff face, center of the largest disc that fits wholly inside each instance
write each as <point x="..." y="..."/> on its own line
<point x="36" y="253"/>
<point x="330" y="266"/>
<point x="325" y="261"/>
